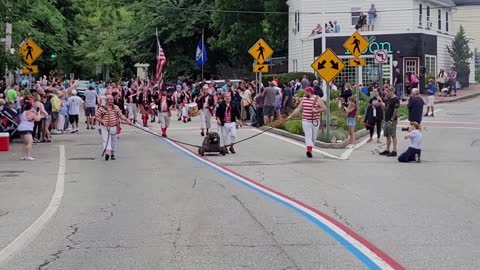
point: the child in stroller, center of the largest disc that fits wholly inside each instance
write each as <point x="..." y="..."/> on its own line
<point x="9" y="120"/>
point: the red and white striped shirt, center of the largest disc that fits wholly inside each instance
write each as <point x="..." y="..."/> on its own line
<point x="109" y="117"/>
<point x="307" y="113"/>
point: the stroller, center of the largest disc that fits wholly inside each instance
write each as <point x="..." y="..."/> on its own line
<point x="211" y="144"/>
<point x="9" y="121"/>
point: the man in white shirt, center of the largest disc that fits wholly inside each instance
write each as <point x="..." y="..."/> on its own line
<point x="74" y="104"/>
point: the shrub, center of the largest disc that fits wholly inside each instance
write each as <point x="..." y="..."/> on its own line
<point x="300" y="93"/>
<point x="293" y="126"/>
<point x="287" y="77"/>
<point x="403" y="111"/>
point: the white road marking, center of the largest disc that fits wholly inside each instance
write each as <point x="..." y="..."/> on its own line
<point x="446" y="122"/>
<point x="297" y="144"/>
<point x="31" y="232"/>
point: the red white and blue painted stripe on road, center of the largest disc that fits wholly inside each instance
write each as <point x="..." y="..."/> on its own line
<point x="371" y="256"/>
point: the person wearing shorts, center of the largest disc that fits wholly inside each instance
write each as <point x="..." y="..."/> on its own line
<point x="269" y="95"/>
<point x="74" y="103"/>
<point x="431" y="89"/>
<point x="390" y="130"/>
<point x="91" y="97"/>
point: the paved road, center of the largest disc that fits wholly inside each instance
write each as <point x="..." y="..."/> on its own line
<point x="157" y="208"/>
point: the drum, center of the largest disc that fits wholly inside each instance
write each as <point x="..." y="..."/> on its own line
<point x="193" y="110"/>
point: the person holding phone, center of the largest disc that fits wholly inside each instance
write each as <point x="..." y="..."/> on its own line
<point x="25" y="128"/>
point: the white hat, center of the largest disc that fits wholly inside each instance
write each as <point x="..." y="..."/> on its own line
<point x="74" y="92"/>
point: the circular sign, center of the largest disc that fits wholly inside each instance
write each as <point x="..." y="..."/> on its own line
<point x="381" y="56"/>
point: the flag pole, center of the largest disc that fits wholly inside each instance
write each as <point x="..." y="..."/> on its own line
<point x="203" y="48"/>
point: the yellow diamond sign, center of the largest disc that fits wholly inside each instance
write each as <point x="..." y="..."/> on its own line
<point x="260" y="69"/>
<point x="356" y="44"/>
<point x="30" y="51"/>
<point x="328" y="65"/>
<point x="29" y="69"/>
<point x="260" y="51"/>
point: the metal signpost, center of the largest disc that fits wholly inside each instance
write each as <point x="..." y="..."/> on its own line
<point x="260" y="51"/>
<point x="328" y="66"/>
<point x="357" y="44"/>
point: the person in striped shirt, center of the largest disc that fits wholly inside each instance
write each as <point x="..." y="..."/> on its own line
<point x="109" y="117"/>
<point x="311" y="107"/>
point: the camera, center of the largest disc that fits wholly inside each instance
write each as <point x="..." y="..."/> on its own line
<point x="405" y="129"/>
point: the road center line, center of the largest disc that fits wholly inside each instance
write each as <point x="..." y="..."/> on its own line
<point x="368" y="254"/>
<point x="25" y="238"/>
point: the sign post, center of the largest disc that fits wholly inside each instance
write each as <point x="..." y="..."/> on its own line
<point x="328" y="66"/>
<point x="260" y="51"/>
<point x="357" y="44"/>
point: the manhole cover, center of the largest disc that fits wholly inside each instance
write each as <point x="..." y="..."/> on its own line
<point x="82" y="158"/>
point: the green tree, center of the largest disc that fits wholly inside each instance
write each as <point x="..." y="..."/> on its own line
<point x="461" y="55"/>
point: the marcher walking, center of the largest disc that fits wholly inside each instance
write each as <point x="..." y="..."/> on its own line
<point x="165" y="104"/>
<point x="109" y="117"/>
<point x="311" y="107"/>
<point x="227" y="116"/>
<point x="206" y="104"/>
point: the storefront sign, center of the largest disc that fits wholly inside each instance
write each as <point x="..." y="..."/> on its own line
<point x="375" y="46"/>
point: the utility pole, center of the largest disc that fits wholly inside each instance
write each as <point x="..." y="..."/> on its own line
<point x="8" y="40"/>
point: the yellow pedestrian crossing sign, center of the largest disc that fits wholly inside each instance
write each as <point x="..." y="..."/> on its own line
<point x="260" y="68"/>
<point x="328" y="65"/>
<point x="356" y="62"/>
<point x="30" y="51"/>
<point x="356" y="44"/>
<point x="260" y="51"/>
<point x="29" y="69"/>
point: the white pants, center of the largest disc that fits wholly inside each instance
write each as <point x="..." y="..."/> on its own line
<point x="311" y="132"/>
<point x="228" y="134"/>
<point x="164" y="119"/>
<point x="132" y="111"/>
<point x="205" y="119"/>
<point x="185" y="111"/>
<point x="110" y="139"/>
<point x="61" y="122"/>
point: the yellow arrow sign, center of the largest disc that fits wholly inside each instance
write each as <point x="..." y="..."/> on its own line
<point x="356" y="62"/>
<point x="356" y="44"/>
<point x="30" y="51"/>
<point x="260" y="51"/>
<point x="29" y="69"/>
<point x="328" y="65"/>
<point x="260" y="69"/>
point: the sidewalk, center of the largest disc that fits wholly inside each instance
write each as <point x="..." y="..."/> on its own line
<point x="466" y="93"/>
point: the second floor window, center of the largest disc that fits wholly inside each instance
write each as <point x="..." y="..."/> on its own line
<point x="439" y="19"/>
<point x="356" y="13"/>
<point x="420" y="14"/>
<point x="297" y="22"/>
<point x="428" y="17"/>
<point x="446" y="22"/>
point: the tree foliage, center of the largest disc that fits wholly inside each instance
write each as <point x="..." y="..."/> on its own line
<point x="461" y="55"/>
<point x="118" y="33"/>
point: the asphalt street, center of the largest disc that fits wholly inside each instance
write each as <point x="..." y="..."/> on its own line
<point x="155" y="207"/>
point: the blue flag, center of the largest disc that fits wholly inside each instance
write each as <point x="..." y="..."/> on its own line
<point x="201" y="56"/>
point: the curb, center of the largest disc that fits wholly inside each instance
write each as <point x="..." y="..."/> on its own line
<point x="458" y="99"/>
<point x="358" y="134"/>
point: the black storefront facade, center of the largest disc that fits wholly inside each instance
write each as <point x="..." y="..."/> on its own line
<point x="410" y="52"/>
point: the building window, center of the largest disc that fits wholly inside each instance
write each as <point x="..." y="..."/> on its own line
<point x="297" y="22"/>
<point x="429" y="24"/>
<point x="439" y="19"/>
<point x="446" y="22"/>
<point x="356" y="13"/>
<point x="294" y="65"/>
<point x="431" y="64"/>
<point x="420" y="14"/>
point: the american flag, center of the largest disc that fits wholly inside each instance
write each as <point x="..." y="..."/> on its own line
<point x="161" y="62"/>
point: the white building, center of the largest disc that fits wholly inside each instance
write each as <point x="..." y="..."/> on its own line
<point x="414" y="32"/>
<point x="466" y="14"/>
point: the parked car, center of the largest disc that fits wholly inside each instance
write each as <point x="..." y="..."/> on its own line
<point x="82" y="86"/>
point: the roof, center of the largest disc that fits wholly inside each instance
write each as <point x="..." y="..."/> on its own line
<point x="447" y="3"/>
<point x="467" y="2"/>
